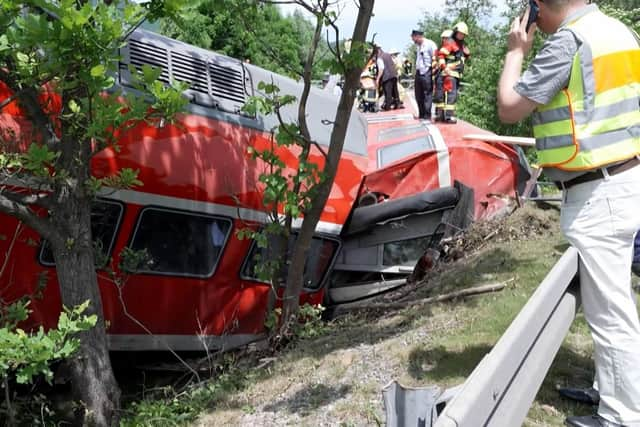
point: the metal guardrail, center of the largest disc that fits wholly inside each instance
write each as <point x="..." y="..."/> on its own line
<point x="501" y="389"/>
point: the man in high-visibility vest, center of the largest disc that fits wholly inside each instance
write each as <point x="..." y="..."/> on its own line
<point x="583" y="89"/>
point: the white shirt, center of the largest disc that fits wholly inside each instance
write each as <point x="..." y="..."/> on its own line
<point x="424" y="56"/>
<point x="380" y="64"/>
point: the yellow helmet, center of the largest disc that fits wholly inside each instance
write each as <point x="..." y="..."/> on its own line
<point x="461" y="27"/>
<point x="446" y="34"/>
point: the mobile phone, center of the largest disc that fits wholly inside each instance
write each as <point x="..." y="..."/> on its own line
<point x="533" y="14"/>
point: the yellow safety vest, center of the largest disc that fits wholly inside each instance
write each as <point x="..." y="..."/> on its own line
<point x="595" y="121"/>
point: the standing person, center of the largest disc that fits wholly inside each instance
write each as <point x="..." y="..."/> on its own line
<point x="387" y="78"/>
<point x="451" y="58"/>
<point x="582" y="88"/>
<point x="399" y="63"/>
<point x="438" y="98"/>
<point x="423" y="83"/>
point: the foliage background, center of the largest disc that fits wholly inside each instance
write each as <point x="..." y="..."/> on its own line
<point x="279" y="43"/>
<point x="262" y="35"/>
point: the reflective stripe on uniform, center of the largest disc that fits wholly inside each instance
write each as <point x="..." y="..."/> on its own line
<point x="590" y="159"/>
<point x="591" y="143"/>
<point x="628" y="105"/>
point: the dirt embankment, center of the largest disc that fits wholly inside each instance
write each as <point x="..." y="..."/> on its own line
<point x="527" y="223"/>
<point x="336" y="379"/>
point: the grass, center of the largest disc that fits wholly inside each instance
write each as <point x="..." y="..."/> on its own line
<point x="336" y="379"/>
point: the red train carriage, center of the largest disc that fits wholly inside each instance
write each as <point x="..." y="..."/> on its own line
<point x="197" y="286"/>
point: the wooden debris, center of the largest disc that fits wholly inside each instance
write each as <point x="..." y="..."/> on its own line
<point x="474" y="290"/>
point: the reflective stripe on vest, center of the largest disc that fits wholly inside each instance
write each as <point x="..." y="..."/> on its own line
<point x="595" y="121"/>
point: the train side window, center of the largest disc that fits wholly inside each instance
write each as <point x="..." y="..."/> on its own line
<point x="395" y="152"/>
<point x="179" y="243"/>
<point x="319" y="260"/>
<point x="105" y="220"/>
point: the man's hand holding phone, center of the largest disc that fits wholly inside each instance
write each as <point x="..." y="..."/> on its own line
<point x="523" y="30"/>
<point x="533" y="14"/>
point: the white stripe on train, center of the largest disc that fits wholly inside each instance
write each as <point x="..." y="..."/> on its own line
<point x="241" y="213"/>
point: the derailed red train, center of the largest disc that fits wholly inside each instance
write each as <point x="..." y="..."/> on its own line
<point x="393" y="191"/>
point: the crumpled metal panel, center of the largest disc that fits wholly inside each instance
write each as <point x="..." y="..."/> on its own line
<point x="410" y="406"/>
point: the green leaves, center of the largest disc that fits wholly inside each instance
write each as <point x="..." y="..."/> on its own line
<point x="356" y="56"/>
<point x="4" y="43"/>
<point x="78" y="51"/>
<point x="125" y="178"/>
<point x="132" y="260"/>
<point x="38" y="160"/>
<point x="279" y="185"/>
<point x="250" y="30"/>
<point x="98" y="70"/>
<point x="269" y="101"/>
<point x="26" y="355"/>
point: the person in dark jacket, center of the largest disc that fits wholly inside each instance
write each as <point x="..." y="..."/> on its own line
<point x="387" y="78"/>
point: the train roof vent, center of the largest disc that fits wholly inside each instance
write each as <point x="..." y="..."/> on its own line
<point x="227" y="81"/>
<point x="141" y="53"/>
<point x="192" y="70"/>
<point x="214" y="80"/>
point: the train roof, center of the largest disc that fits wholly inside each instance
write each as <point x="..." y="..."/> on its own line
<point x="220" y="86"/>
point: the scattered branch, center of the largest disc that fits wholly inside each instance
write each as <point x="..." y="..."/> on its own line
<point x="474" y="290"/>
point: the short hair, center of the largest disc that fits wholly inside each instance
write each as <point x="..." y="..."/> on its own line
<point x="556" y="4"/>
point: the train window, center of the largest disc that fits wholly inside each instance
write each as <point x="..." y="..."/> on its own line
<point x="399" y="132"/>
<point x="105" y="219"/>
<point x="179" y="243"/>
<point x="319" y="260"/>
<point x="406" y="252"/>
<point x="395" y="152"/>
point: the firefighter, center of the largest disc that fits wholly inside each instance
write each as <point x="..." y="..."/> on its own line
<point x="451" y="59"/>
<point x="445" y="36"/>
<point x="438" y="78"/>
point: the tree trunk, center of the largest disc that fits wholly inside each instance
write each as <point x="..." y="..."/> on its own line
<point x="93" y="383"/>
<point x="276" y="254"/>
<point x="343" y="114"/>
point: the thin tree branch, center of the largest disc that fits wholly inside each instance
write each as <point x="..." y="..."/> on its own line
<point x="293" y="135"/>
<point x="10" y="249"/>
<point x="26" y="215"/>
<point x="27" y="98"/>
<point x="44" y="200"/>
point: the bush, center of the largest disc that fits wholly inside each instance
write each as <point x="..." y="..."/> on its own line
<point x="26" y="355"/>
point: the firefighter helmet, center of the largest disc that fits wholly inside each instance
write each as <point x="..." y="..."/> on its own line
<point x="461" y="27"/>
<point x="446" y="34"/>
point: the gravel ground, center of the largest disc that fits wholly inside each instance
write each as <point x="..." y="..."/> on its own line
<point x="322" y="383"/>
<point x="337" y="379"/>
